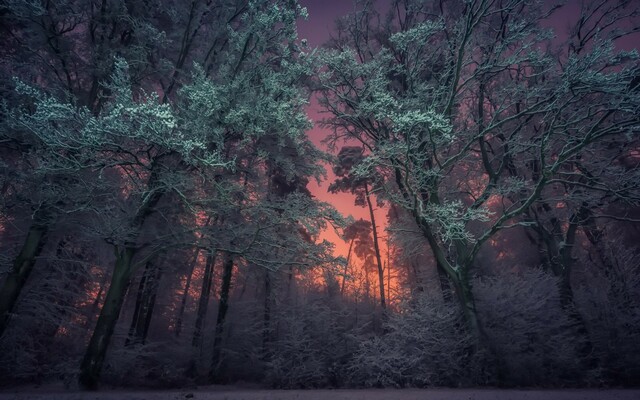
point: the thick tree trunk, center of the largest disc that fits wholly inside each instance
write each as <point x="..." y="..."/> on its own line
<point x="96" y="351"/>
<point x="22" y="267"/>
<point x="223" y="306"/>
<point x="96" y="303"/>
<point x="376" y="247"/>
<point x="445" y="287"/>
<point x="458" y="277"/>
<point x="467" y="301"/>
<point x="98" y="344"/>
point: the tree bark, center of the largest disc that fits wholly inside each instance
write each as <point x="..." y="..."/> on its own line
<point x="223" y="306"/>
<point x="201" y="313"/>
<point x="445" y="287"/>
<point x="93" y="359"/>
<point x="346" y="266"/>
<point x="96" y="303"/>
<point x="266" y="321"/>
<point x="458" y="274"/>
<point x="376" y="247"/>
<point x="187" y="286"/>
<point x="136" y="311"/>
<point x="96" y="351"/>
<point x="203" y="301"/>
<point x="145" y="303"/>
<point x="458" y="277"/>
<point x="185" y="293"/>
<point x="22" y="267"/>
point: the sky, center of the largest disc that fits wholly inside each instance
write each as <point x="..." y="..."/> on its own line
<point x="317" y="30"/>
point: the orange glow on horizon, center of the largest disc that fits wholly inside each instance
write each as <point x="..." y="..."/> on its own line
<point x="345" y="204"/>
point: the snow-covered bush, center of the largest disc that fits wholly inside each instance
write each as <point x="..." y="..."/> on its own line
<point x="154" y="364"/>
<point x="533" y="337"/>
<point x="424" y="344"/>
<point x="313" y="347"/>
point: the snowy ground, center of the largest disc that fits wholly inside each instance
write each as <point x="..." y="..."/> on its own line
<point x="384" y="394"/>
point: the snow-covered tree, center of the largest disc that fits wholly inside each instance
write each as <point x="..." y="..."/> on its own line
<point x="451" y="99"/>
<point x="203" y="149"/>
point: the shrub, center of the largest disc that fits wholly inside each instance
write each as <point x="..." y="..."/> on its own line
<point x="424" y="344"/>
<point x="534" y="338"/>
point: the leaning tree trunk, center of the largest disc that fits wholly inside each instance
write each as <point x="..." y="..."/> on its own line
<point x="96" y="351"/>
<point x="223" y="306"/>
<point x="22" y="267"/>
<point x="376" y="247"/>
<point x="93" y="359"/>
<point x="346" y="266"/>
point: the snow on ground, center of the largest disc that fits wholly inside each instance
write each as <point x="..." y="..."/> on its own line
<point x="223" y="393"/>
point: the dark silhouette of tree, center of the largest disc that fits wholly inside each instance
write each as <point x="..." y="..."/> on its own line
<point x="348" y="158"/>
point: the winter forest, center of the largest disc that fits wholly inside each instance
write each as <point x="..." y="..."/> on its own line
<point x="440" y="194"/>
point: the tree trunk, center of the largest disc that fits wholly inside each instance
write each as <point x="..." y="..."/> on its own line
<point x="96" y="351"/>
<point x="22" y="267"/>
<point x="96" y="303"/>
<point x="467" y="301"/>
<point x="266" y="321"/>
<point x="445" y="287"/>
<point x="346" y="266"/>
<point x="201" y="313"/>
<point x="139" y="300"/>
<point x="203" y="302"/>
<point x="187" y="286"/>
<point x="145" y="303"/>
<point x="458" y="277"/>
<point x="559" y="258"/>
<point x="223" y="306"/>
<point x="185" y="293"/>
<point x="376" y="247"/>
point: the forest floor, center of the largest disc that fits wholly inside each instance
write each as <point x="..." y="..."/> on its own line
<point x="232" y="393"/>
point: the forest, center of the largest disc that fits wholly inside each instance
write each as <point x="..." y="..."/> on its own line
<point x="162" y="212"/>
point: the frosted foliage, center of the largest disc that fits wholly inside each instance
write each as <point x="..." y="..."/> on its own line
<point x="534" y="338"/>
<point x="436" y="94"/>
<point x="314" y="349"/>
<point x="425" y="344"/>
<point x="65" y="127"/>
<point x="451" y="219"/>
